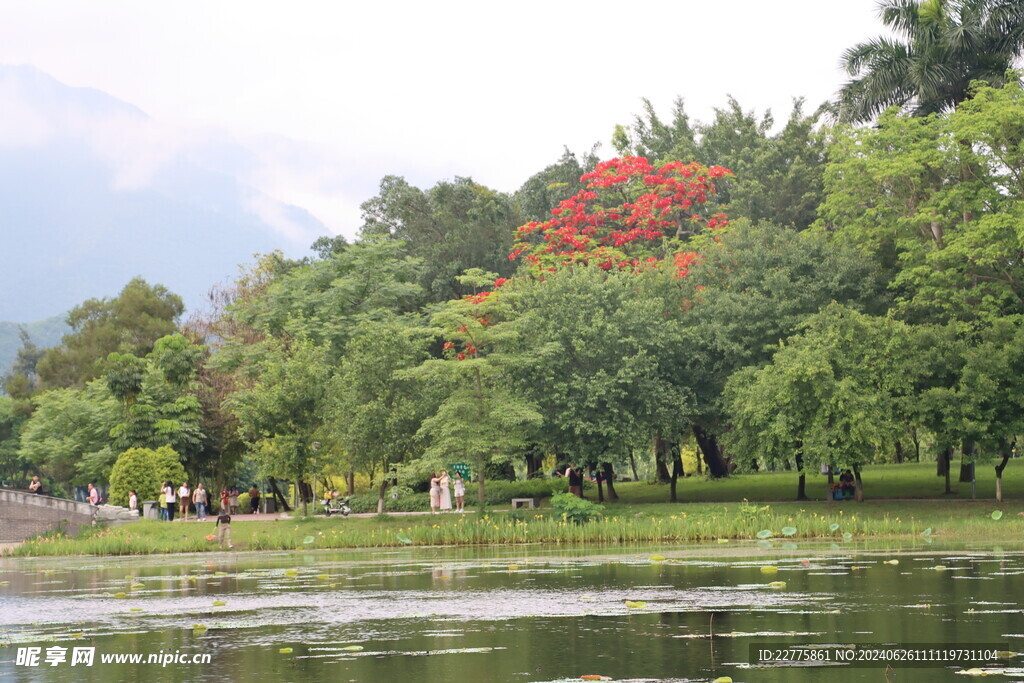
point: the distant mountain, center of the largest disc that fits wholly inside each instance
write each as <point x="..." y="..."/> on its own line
<point x="94" y="192"/>
<point x="44" y="333"/>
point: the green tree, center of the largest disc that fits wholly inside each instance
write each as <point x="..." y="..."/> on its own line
<point x="745" y="294"/>
<point x="131" y="322"/>
<point x="943" y="46"/>
<point x="589" y="350"/>
<point x="281" y="412"/>
<point x="374" y="409"/>
<point x="67" y="439"/>
<point x="828" y="395"/>
<point x="453" y="226"/>
<point x="938" y="202"/>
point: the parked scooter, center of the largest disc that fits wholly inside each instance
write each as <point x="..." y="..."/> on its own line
<point x="336" y="506"/>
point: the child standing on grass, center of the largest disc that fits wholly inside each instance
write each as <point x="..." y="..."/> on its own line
<point x="224" y="524"/>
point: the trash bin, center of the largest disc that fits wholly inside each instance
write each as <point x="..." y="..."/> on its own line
<point x="268" y="505"/>
<point x="149" y="509"/>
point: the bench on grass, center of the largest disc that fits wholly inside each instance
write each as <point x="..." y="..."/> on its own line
<point x="524" y="503"/>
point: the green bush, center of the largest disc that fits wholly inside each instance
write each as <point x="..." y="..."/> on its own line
<point x="144" y="470"/>
<point x="575" y="509"/>
<point x="243" y="503"/>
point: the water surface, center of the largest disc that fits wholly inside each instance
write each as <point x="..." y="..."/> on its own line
<point x="530" y="613"/>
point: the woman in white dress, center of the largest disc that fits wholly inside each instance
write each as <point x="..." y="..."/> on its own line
<point x="446" y="493"/>
<point x="460" y="493"/>
<point x="435" y="492"/>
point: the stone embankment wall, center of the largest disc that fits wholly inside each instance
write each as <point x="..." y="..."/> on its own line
<point x="24" y="515"/>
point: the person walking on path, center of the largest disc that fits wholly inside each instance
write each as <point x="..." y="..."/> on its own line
<point x="435" y="493"/>
<point x="170" y="500"/>
<point x="460" y="493"/>
<point x="35" y="486"/>
<point x="446" y="494"/>
<point x="199" y="499"/>
<point x="184" y="496"/>
<point x="225" y="505"/>
<point x="94" y="495"/>
<point x="233" y="500"/>
<point x="254" y="500"/>
<point x="223" y="523"/>
<point x="133" y="501"/>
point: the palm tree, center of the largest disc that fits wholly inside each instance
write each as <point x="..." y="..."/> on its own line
<point x="945" y="45"/>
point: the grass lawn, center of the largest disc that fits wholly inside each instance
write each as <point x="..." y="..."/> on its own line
<point x="909" y="480"/>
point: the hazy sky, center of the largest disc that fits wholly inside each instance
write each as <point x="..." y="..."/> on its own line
<point x="435" y="89"/>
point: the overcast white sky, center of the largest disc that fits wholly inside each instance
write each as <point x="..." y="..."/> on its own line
<point x="436" y="89"/>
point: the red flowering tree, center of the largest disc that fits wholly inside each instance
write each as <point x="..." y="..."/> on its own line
<point x="628" y="215"/>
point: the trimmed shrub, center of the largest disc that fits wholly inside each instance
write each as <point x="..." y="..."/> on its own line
<point x="144" y="470"/>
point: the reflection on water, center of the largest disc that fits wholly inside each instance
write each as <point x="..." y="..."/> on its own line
<point x="515" y="614"/>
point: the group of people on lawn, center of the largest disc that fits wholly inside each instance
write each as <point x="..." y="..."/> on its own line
<point x="179" y="498"/>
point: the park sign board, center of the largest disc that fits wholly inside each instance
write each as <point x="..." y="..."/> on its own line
<point x="461" y="469"/>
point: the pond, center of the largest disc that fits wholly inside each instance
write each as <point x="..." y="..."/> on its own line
<point x="506" y="614"/>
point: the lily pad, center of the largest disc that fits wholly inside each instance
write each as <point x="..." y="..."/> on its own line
<point x="219" y="603"/>
<point x="769" y="570"/>
<point x="657" y="558"/>
<point x="723" y="540"/>
<point x="939" y="567"/>
<point x="285" y="650"/>
<point x="891" y="562"/>
<point x="308" y="539"/>
<point x="777" y="584"/>
<point x="120" y="595"/>
<point x="788" y="530"/>
<point x="927" y="532"/>
<point x="997" y="515"/>
<point x="764" y="533"/>
<point x="636" y="604"/>
<point x="352" y="648"/>
<point x="847" y="536"/>
<point x="723" y="679"/>
<point x="404" y="539"/>
<point x="833" y="526"/>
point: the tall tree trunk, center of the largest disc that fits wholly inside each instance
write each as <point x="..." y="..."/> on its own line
<point x="966" y="463"/>
<point x="380" y="496"/>
<point x="609" y="480"/>
<point x="801" y="487"/>
<point x="899" y="451"/>
<point x="858" y="492"/>
<point x="600" y="489"/>
<point x="480" y="479"/>
<point x="1005" y="452"/>
<point x="533" y="461"/>
<point x="350" y="483"/>
<point x="677" y="471"/>
<point x="717" y="466"/>
<point x="632" y="465"/>
<point x="944" y="466"/>
<point x="661" y="459"/>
